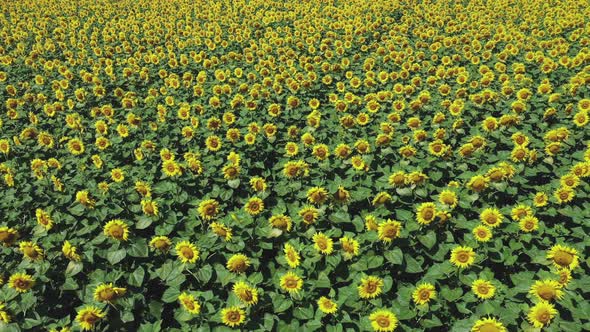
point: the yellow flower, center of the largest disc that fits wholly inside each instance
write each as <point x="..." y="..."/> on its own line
<point x="4" y="317"/>
<point x="149" y="207"/>
<point x="323" y="243"/>
<point x="70" y="251"/>
<point x="75" y="146"/>
<point x="186" y="252"/>
<point x="171" y="168"/>
<point x="521" y="211"/>
<point x="117" y="230"/>
<point x="488" y="325"/>
<point x="208" y="209"/>
<point x="528" y="224"/>
<point x="21" y="282"/>
<point x="462" y="256"/>
<point x="424" y="293"/>
<point x="233" y="316"/>
<point x="326" y="305"/>
<point x="83" y="198"/>
<point x="246" y="294"/>
<point x="389" y="230"/>
<point x="563" y="256"/>
<point x="189" y="303"/>
<point x="221" y="230"/>
<point x="541" y="314"/>
<point x="213" y="143"/>
<point x="258" y="184"/>
<point x="564" y="195"/>
<point x="547" y="290"/>
<point x="88" y="316"/>
<point x="383" y="320"/>
<point x="309" y="214"/>
<point x="540" y="199"/>
<point x="291" y="282"/>
<point x="482" y="233"/>
<point x="238" y="263"/>
<point x="478" y="183"/>
<point x="31" y="250"/>
<point x="108" y="293"/>
<point x="117" y="175"/>
<point x="483" y="289"/>
<point x="44" y="219"/>
<point x="161" y="243"/>
<point x="426" y="213"/>
<point x="8" y="235"/>
<point x="317" y="195"/>
<point x="281" y="222"/>
<point x="370" y="287"/>
<point x="350" y="247"/>
<point x="491" y="217"/>
<point x="449" y="198"/>
<point x="291" y="255"/>
<point x="254" y="206"/>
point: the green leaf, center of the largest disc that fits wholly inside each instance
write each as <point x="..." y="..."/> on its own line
<point x="136" y="278"/>
<point x="395" y="256"/>
<point x="116" y="256"/>
<point x="139" y="248"/>
<point x="428" y="240"/>
<point x="170" y="294"/>
<point x="281" y="304"/>
<point x="73" y="268"/>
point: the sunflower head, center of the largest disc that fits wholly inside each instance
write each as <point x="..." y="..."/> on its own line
<point x="189" y="303"/>
<point x="541" y="314"/>
<point x="488" y="325"/>
<point x="238" y="263"/>
<point x="563" y="256"/>
<point x="462" y="256"/>
<point x="483" y="289"/>
<point x="108" y="293"/>
<point x="383" y="320"/>
<point x="233" y="316"/>
<point x="326" y="305"/>
<point x="248" y="295"/>
<point x="21" y="282"/>
<point x="208" y="209"/>
<point x="291" y="282"/>
<point x="424" y="293"/>
<point x="389" y="230"/>
<point x="186" y="252"/>
<point x="117" y="229"/>
<point x="161" y="243"/>
<point x="323" y="244"/>
<point x="370" y="287"/>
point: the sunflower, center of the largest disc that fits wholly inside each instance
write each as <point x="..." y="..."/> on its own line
<point x="291" y="282"/>
<point x="83" y="198"/>
<point x="238" y="263"/>
<point x="291" y="149"/>
<point x="321" y="151"/>
<point x="108" y="293"/>
<point x="462" y="256"/>
<point x="281" y="222"/>
<point x="75" y="146"/>
<point x="221" y="230"/>
<point x="491" y="217"/>
<point x="291" y="256"/>
<point x="88" y="316"/>
<point x="161" y="243"/>
<point x="478" y="183"/>
<point x="547" y="290"/>
<point x="189" y="303"/>
<point x="309" y="214"/>
<point x="540" y="199"/>
<point x="44" y="219"/>
<point x="488" y="325"/>
<point x="564" y="195"/>
<point x="246" y="294"/>
<point x="383" y="320"/>
<point x="381" y="198"/>
<point x="529" y="224"/>
<point x="521" y="211"/>
<point x="31" y="250"/>
<point x="541" y="314"/>
<point x="254" y="206"/>
<point x="449" y="198"/>
<point x="208" y="209"/>
<point x="350" y="247"/>
<point x="425" y="213"/>
<point x="117" y="230"/>
<point x="317" y="195"/>
<point x="323" y="243"/>
<point x="389" y="230"/>
<point x="482" y="233"/>
<point x="70" y="252"/>
<point x="21" y="282"/>
<point x="424" y="293"/>
<point x="171" y="168"/>
<point x="342" y="195"/>
<point x="4" y="317"/>
<point x="563" y="257"/>
<point x="565" y="276"/>
<point x="117" y="175"/>
<point x="213" y="143"/>
<point x="483" y="289"/>
<point x="326" y="305"/>
<point x="233" y="316"/>
<point x="258" y="184"/>
<point x="8" y="235"/>
<point x="186" y="252"/>
<point x="149" y="207"/>
<point x="370" y="287"/>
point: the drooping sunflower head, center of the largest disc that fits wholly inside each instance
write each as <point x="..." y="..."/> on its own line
<point x="70" y="252"/>
<point x="326" y="305"/>
<point x="221" y="230"/>
<point x="108" y="293"/>
<point x="547" y="290"/>
<point x="247" y="294"/>
<point x="233" y="316"/>
<point x="424" y="293"/>
<point x="149" y="207"/>
<point x="117" y="229"/>
<point x="186" y="252"/>
<point x="88" y="316"/>
<point x="161" y="243"/>
<point x="370" y="287"/>
<point x="462" y="256"/>
<point x="44" y="219"/>
<point x="31" y="250"/>
<point x="189" y="303"/>
<point x="238" y="263"/>
<point x="208" y="209"/>
<point x="563" y="256"/>
<point x="317" y="195"/>
<point x="483" y="289"/>
<point x="389" y="230"/>
<point x="8" y="235"/>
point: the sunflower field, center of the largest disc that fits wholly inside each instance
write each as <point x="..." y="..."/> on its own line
<point x="271" y="165"/>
